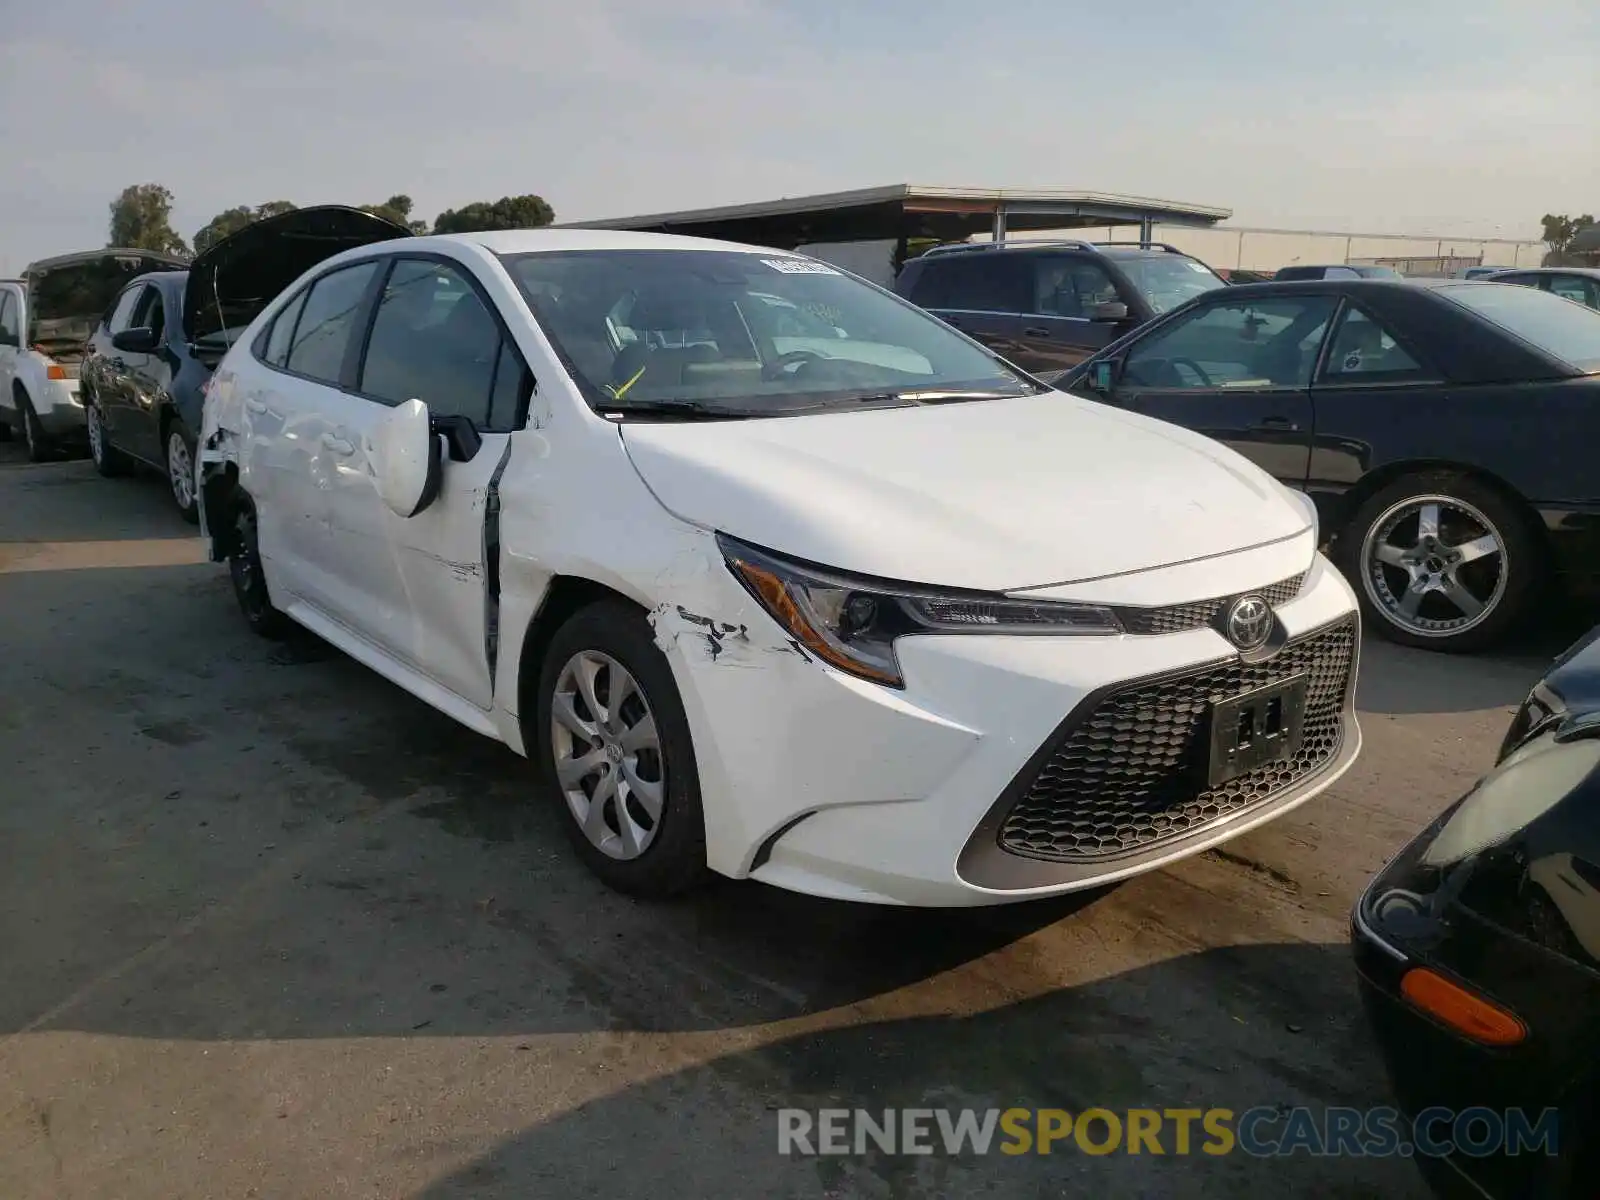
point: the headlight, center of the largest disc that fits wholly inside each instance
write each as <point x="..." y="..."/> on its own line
<point x="852" y="622"/>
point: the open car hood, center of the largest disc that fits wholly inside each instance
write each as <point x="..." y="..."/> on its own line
<point x="68" y="294"/>
<point x="233" y="281"/>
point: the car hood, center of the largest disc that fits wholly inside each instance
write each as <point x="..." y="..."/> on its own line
<point x="993" y="495"/>
<point x="67" y="295"/>
<point x="233" y="281"/>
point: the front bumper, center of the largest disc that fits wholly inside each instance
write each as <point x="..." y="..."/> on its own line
<point x="60" y="411"/>
<point x="822" y="783"/>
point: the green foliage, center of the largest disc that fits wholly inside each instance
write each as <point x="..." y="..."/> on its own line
<point x="141" y="219"/>
<point x="508" y="212"/>
<point x="398" y="210"/>
<point x="235" y="219"/>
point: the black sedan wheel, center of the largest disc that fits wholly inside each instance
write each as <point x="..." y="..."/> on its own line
<point x="108" y="460"/>
<point x="1441" y="561"/>
<point x="180" y="471"/>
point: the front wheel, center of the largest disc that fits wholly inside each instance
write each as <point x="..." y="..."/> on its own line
<point x="1442" y="561"/>
<point x="611" y="735"/>
<point x="180" y="471"/>
<point x="40" y="447"/>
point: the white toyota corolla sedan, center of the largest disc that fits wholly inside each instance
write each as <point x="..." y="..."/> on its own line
<point x="774" y="574"/>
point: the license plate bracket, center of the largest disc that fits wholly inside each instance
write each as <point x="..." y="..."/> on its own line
<point x="1260" y="727"/>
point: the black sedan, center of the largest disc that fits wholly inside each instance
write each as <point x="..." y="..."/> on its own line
<point x="1446" y="431"/>
<point x="1478" y="949"/>
<point x="150" y="356"/>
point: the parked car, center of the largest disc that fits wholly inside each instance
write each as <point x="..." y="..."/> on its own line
<point x="1336" y="271"/>
<point x="45" y="318"/>
<point x="1047" y="306"/>
<point x="150" y="357"/>
<point x="1580" y="284"/>
<point x="1480" y="272"/>
<point x="1445" y="430"/>
<point x="1240" y="275"/>
<point x="1478" y="949"/>
<point x="850" y="606"/>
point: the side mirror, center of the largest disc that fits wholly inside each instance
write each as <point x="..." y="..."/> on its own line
<point x="138" y="340"/>
<point x="409" y="462"/>
<point x="1102" y="376"/>
<point x="1112" y="310"/>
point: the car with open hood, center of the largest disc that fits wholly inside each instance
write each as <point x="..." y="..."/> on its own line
<point x="1478" y="951"/>
<point x="150" y="356"/>
<point x="45" y="320"/>
<point x="772" y="572"/>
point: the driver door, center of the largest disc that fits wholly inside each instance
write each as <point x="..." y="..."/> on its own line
<point x="1238" y="371"/>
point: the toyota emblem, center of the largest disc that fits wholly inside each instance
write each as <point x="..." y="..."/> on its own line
<point x="1249" y="622"/>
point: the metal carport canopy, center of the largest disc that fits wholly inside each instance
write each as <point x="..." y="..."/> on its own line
<point x="903" y="210"/>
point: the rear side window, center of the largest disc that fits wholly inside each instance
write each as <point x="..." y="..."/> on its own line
<point x="1363" y="351"/>
<point x="982" y="281"/>
<point x="122" y="313"/>
<point x="434" y="339"/>
<point x="275" y="352"/>
<point x="1560" y="328"/>
<point x="327" y="322"/>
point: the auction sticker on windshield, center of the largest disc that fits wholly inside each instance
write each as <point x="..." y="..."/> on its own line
<point x="799" y="266"/>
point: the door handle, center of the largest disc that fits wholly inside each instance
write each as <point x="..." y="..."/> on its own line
<point x="1277" y="424"/>
<point x="255" y="406"/>
<point x="338" y="445"/>
<point x="1035" y="331"/>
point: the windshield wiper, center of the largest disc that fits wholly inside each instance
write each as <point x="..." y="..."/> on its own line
<point x="935" y="396"/>
<point x="691" y="410"/>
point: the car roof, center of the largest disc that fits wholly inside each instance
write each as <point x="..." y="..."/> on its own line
<point x="1360" y="285"/>
<point x="1591" y="272"/>
<point x="534" y="241"/>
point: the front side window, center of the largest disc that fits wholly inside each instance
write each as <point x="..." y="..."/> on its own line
<point x="151" y="313"/>
<point x="1562" y="330"/>
<point x="10" y="326"/>
<point x="122" y="314"/>
<point x="435" y="340"/>
<point x="1363" y="351"/>
<point x="757" y="333"/>
<point x="327" y="322"/>
<point x="1068" y="287"/>
<point x="1250" y="344"/>
<point x="1168" y="280"/>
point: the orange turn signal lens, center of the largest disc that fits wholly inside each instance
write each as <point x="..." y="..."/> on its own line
<point x="1469" y="1015"/>
<point x="55" y="371"/>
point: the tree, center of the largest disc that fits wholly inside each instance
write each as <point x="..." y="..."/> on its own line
<point x="508" y="212"/>
<point x="141" y="219"/>
<point x="235" y="219"/>
<point x="1560" y="230"/>
<point x="398" y="210"/>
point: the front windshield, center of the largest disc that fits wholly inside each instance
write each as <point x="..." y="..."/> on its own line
<point x="758" y="333"/>
<point x="1168" y="280"/>
<point x="1563" y="329"/>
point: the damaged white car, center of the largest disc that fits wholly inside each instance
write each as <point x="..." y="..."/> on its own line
<point x="774" y="574"/>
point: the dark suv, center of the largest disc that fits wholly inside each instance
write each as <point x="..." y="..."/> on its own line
<point x="1047" y="306"/>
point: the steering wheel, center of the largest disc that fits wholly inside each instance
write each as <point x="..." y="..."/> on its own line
<point x="1205" y="379"/>
<point x="774" y="370"/>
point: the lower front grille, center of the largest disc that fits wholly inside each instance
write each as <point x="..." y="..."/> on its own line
<point x="1132" y="771"/>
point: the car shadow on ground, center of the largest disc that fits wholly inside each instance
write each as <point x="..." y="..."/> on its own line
<point x="1156" y="1037"/>
<point x="68" y="501"/>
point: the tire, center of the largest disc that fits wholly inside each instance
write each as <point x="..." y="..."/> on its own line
<point x="5" y="426"/>
<point x="177" y="452"/>
<point x="107" y="459"/>
<point x="250" y="579"/>
<point x="1410" y="594"/>
<point x="40" y="447"/>
<point x="664" y="854"/>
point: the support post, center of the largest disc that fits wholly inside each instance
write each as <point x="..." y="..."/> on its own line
<point x="1000" y="222"/>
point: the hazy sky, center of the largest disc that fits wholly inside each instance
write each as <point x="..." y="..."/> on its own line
<point x="1467" y="117"/>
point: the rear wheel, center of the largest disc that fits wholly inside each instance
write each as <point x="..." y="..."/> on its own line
<point x="180" y="470"/>
<point x="1442" y="561"/>
<point x="611" y="734"/>
<point x="108" y="460"/>
<point x="250" y="578"/>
